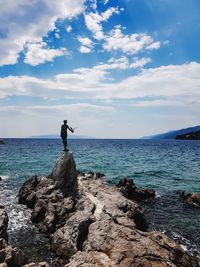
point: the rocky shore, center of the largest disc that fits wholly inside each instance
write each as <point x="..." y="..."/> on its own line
<point x="91" y="223"/>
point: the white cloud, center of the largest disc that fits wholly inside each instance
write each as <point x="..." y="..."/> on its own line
<point x="123" y="63"/>
<point x="129" y="44"/>
<point x="140" y="63"/>
<point x="85" y="41"/>
<point x="84" y="49"/>
<point x="105" y="2"/>
<point x="86" y="45"/>
<point x="180" y="83"/>
<point x="38" y="53"/>
<point x="114" y="63"/>
<point x="93" y="21"/>
<point x="29" y="21"/>
<point x="57" y="35"/>
<point x="69" y="28"/>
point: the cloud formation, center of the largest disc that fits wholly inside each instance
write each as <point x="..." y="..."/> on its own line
<point x="38" y="53"/>
<point x="129" y="44"/>
<point x="86" y="44"/>
<point x="165" y="83"/>
<point x="93" y="21"/>
<point x="39" y="17"/>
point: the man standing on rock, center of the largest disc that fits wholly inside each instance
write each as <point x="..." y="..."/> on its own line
<point x="63" y="134"/>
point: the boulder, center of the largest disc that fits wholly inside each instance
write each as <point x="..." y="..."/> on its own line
<point x="67" y="240"/>
<point x="192" y="199"/>
<point x="39" y="211"/>
<point x="27" y="189"/>
<point x="131" y="191"/>
<point x="65" y="174"/>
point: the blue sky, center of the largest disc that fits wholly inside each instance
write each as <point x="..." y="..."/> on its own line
<point x="116" y="69"/>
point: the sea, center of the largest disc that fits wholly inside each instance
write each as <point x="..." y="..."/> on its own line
<point x="167" y="166"/>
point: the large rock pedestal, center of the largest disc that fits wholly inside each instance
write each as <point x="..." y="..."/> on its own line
<point x="64" y="173"/>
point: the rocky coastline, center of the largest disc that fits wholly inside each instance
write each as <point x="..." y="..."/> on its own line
<point x="91" y="223"/>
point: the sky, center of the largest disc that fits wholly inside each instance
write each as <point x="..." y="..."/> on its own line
<point x="112" y="68"/>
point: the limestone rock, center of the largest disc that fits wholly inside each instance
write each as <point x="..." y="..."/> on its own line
<point x="64" y="173"/>
<point x="192" y="199"/>
<point x="67" y="240"/>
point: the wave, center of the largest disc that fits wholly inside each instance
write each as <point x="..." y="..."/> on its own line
<point x="187" y="245"/>
<point x="5" y="177"/>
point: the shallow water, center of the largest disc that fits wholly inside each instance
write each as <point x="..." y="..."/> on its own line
<point x="166" y="166"/>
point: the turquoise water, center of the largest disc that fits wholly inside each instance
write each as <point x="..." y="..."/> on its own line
<point x="166" y="166"/>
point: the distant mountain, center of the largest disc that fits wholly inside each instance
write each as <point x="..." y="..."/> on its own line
<point x="54" y="136"/>
<point x="173" y="134"/>
<point x="189" y="136"/>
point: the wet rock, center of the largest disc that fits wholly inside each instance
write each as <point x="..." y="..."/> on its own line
<point x="1" y="178"/>
<point x="192" y="199"/>
<point x="129" y="189"/>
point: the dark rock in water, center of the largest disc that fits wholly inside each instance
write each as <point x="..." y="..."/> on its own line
<point x="93" y="224"/>
<point x="129" y="189"/>
<point x="1" y="178"/>
<point x="192" y="199"/>
<point x="65" y="174"/>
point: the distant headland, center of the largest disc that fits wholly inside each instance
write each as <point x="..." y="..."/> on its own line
<point x="189" y="136"/>
<point x="174" y="134"/>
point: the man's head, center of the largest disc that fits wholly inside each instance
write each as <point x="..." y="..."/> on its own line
<point x="65" y="121"/>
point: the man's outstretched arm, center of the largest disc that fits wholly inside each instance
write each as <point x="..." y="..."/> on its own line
<point x="70" y="128"/>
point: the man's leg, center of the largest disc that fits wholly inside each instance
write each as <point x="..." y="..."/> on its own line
<point x="64" y="140"/>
